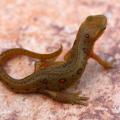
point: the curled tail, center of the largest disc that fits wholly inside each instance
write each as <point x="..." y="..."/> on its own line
<point x="5" y="56"/>
<point x="23" y="85"/>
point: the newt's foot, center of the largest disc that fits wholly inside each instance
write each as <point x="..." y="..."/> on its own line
<point x="107" y="65"/>
<point x="70" y="98"/>
<point x="74" y="98"/>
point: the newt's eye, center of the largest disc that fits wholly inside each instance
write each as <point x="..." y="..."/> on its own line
<point x="103" y="27"/>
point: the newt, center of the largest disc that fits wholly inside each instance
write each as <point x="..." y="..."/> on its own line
<point x="53" y="79"/>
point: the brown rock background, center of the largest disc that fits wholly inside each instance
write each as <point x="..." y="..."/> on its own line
<point x="41" y="26"/>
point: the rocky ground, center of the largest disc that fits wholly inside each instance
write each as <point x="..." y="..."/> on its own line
<point x="41" y="26"/>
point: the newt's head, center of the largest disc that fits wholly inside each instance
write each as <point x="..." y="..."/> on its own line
<point x="94" y="26"/>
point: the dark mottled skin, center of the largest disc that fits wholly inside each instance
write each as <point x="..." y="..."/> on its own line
<point x="52" y="80"/>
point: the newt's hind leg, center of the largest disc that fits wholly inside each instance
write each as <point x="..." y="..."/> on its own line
<point x="41" y="65"/>
<point x="102" y="62"/>
<point x="68" y="55"/>
<point x="69" y="98"/>
<point x="44" y="64"/>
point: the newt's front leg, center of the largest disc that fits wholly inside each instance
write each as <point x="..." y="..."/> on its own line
<point x="102" y="62"/>
<point x="69" y="98"/>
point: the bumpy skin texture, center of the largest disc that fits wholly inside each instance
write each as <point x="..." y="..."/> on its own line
<point x="57" y="76"/>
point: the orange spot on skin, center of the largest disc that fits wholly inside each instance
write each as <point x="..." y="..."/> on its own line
<point x="44" y="64"/>
<point x="85" y="50"/>
<point x="62" y="81"/>
<point x="45" y="82"/>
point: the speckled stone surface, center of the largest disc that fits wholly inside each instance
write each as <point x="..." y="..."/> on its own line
<point x="41" y="26"/>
